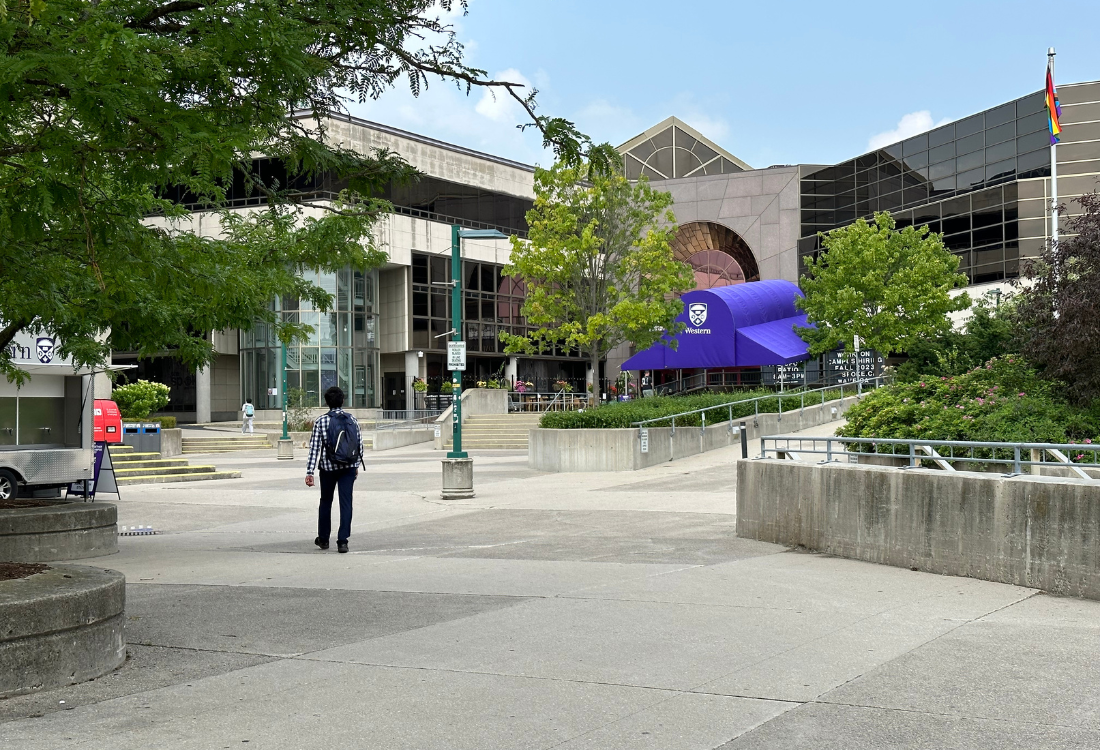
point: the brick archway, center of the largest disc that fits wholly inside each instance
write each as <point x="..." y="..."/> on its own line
<point x="697" y="242"/>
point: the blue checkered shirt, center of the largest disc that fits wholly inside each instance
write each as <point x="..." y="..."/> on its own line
<point x="318" y="456"/>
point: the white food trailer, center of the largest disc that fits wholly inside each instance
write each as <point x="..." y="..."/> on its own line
<point x="46" y="425"/>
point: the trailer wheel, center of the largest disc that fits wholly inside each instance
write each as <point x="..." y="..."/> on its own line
<point x="9" y="485"/>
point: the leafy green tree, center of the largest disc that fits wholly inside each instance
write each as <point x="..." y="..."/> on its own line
<point x="1059" y="308"/>
<point x="139" y="400"/>
<point x="598" y="264"/>
<point x="990" y="332"/>
<point x="890" y="288"/>
<point x="114" y="107"/>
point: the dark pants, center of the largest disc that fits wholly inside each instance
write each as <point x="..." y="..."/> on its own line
<point x="330" y="480"/>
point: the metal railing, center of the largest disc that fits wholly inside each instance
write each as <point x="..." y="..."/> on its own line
<point x="406" y="419"/>
<point x="528" y="401"/>
<point x="1011" y="458"/>
<point x="854" y="389"/>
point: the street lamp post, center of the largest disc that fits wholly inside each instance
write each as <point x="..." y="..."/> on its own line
<point x="286" y="445"/>
<point x="458" y="468"/>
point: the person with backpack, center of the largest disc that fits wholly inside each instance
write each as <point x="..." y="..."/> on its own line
<point x="248" y="411"/>
<point x="336" y="449"/>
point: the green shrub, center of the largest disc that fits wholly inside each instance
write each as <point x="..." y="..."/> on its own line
<point x="1001" y="401"/>
<point x="620" y="414"/>
<point x="166" y="423"/>
<point x="139" y="400"/>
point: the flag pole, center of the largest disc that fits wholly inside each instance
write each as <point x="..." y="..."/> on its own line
<point x="1053" y="170"/>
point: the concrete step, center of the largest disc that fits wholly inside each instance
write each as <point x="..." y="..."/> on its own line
<point x="131" y="456"/>
<point x="166" y="471"/>
<point x="118" y="448"/>
<point x="150" y="464"/>
<point x="228" y="441"/>
<point x="170" y="478"/>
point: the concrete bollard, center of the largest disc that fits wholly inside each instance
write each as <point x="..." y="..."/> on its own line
<point x="458" y="478"/>
<point x="286" y="449"/>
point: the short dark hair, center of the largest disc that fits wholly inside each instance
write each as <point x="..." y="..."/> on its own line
<point x="248" y="401"/>
<point x="334" y="397"/>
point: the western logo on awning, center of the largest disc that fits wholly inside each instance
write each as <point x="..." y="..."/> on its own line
<point x="697" y="313"/>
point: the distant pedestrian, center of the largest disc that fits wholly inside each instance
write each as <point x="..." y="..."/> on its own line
<point x="336" y="448"/>
<point x="647" y="385"/>
<point x="248" y="411"/>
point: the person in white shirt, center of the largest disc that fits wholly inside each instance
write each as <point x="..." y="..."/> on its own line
<point x="248" y="411"/>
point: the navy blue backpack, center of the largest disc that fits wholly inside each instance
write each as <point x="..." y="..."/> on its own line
<point x="342" y="440"/>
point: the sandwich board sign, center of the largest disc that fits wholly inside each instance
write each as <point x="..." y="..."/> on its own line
<point x="456" y="355"/>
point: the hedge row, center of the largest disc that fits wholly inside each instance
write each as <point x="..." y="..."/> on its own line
<point x="624" y="413"/>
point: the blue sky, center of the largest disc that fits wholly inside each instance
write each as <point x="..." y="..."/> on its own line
<point x="774" y="83"/>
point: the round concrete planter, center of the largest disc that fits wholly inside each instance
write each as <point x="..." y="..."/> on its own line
<point x="60" y="531"/>
<point x="59" y="627"/>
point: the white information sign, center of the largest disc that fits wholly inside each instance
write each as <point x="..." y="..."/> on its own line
<point x="456" y="355"/>
<point x="645" y="440"/>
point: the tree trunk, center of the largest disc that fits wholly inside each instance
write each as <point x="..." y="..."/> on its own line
<point x="594" y="397"/>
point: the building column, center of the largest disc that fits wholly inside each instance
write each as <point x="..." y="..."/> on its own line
<point x="202" y="395"/>
<point x="510" y="370"/>
<point x="413" y="365"/>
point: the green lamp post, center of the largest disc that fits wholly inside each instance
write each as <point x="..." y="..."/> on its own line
<point x="458" y="475"/>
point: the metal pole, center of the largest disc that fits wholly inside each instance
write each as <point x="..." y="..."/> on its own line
<point x="456" y="335"/>
<point x="744" y="441"/>
<point x="1053" y="170"/>
<point x="286" y="435"/>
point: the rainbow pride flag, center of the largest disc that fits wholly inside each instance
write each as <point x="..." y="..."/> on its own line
<point x="1054" y="109"/>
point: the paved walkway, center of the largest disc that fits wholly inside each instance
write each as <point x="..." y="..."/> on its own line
<point x="552" y="611"/>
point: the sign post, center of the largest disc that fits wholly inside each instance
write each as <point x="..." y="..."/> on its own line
<point x="456" y="347"/>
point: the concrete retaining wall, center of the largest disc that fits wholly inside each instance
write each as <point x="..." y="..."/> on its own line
<point x="384" y="440"/>
<point x="1038" y="532"/>
<point x="621" y="449"/>
<point x="60" y="627"/>
<point x="64" y="531"/>
<point x="171" y="443"/>
<point x="474" y="401"/>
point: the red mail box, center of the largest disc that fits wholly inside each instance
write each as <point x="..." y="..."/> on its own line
<point x="108" y="421"/>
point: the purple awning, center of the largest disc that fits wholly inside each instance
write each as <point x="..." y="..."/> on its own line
<point x="732" y="326"/>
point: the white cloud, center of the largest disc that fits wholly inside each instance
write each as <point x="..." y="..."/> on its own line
<point x="909" y="125"/>
<point x="715" y="128"/>
<point x="498" y="105"/>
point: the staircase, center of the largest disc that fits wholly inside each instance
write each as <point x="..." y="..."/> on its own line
<point x="498" y="431"/>
<point x="150" y="468"/>
<point x="226" y="442"/>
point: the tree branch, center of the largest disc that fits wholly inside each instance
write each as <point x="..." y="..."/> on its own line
<point x="8" y="334"/>
<point x="180" y="6"/>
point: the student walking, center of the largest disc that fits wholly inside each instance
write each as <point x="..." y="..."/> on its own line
<point x="248" y="411"/>
<point x="336" y="448"/>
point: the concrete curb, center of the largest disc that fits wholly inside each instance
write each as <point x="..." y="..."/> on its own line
<point x="62" y="531"/>
<point x="59" y="627"/>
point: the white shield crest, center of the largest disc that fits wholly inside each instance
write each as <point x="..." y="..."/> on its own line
<point x="697" y="313"/>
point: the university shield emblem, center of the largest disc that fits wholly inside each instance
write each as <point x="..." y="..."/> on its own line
<point x="697" y="313"/>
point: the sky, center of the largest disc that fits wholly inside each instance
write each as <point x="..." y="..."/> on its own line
<point x="773" y="83"/>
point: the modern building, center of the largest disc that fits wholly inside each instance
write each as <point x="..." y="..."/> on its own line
<point x="387" y="326"/>
<point x="983" y="181"/>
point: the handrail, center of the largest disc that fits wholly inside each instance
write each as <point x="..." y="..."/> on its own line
<point x="757" y="399"/>
<point x="918" y="450"/>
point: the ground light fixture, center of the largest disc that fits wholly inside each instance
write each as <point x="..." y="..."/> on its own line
<point x="458" y="467"/>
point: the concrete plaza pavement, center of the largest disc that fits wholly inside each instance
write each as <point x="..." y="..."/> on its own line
<point x="593" y="611"/>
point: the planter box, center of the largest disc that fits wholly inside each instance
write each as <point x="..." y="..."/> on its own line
<point x="621" y="449"/>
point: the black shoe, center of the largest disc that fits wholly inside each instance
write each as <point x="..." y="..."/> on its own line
<point x="341" y="546"/>
<point x="322" y="543"/>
